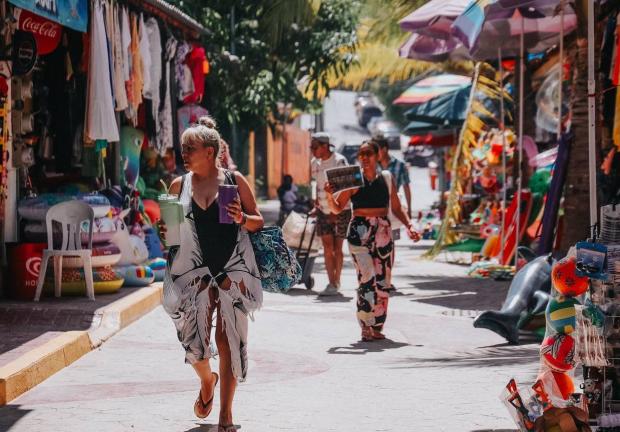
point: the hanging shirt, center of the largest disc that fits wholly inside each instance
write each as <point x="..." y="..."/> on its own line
<point x="120" y="93"/>
<point x="165" y="131"/>
<point x="125" y="43"/>
<point x="195" y="62"/>
<point x="100" y="118"/>
<point x="184" y="79"/>
<point x="152" y="92"/>
<point x="145" y="54"/>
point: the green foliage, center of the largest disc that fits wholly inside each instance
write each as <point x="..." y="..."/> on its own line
<point x="272" y="51"/>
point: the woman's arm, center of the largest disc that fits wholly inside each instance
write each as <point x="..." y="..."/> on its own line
<point x="245" y="212"/>
<point x="397" y="210"/>
<point x="340" y="202"/>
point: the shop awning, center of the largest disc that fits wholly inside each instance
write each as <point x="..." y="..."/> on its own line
<point x="437" y="138"/>
<point x="431" y="87"/>
<point x="171" y="14"/>
<point x="69" y="14"/>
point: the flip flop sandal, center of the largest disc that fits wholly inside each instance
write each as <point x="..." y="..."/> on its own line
<point x="226" y="428"/>
<point x="200" y="408"/>
<point x="367" y="334"/>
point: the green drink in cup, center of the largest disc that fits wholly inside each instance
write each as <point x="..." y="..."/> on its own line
<point x="172" y="214"/>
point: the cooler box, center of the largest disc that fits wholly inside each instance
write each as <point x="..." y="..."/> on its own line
<point x="24" y="260"/>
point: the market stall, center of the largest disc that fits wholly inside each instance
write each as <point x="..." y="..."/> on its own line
<point x="95" y="96"/>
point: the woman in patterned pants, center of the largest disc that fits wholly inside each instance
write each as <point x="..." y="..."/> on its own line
<point x="369" y="237"/>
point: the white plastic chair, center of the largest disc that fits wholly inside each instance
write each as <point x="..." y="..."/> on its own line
<point x="70" y="215"/>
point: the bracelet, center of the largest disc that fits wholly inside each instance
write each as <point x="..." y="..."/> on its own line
<point x="244" y="218"/>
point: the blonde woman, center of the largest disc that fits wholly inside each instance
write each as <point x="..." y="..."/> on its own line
<point x="213" y="271"/>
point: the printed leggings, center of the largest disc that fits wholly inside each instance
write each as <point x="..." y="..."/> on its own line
<point x="370" y="244"/>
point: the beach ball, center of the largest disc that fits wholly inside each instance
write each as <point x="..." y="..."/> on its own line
<point x="560" y="314"/>
<point x="558" y="352"/>
<point x="565" y="384"/>
<point x="565" y="279"/>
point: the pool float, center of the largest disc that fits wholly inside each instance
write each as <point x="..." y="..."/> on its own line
<point x="131" y="140"/>
<point x="103" y="231"/>
<point x="151" y="208"/>
<point x="558" y="352"/>
<point x="136" y="275"/>
<point x="158" y="265"/>
<point x="102" y="255"/>
<point x="153" y="243"/>
<point x="133" y="249"/>
<point x="36" y="208"/>
<point x="527" y="296"/>
<point x="106" y="281"/>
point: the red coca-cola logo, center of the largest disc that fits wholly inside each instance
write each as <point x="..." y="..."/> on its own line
<point x="47" y="29"/>
<point x="47" y="33"/>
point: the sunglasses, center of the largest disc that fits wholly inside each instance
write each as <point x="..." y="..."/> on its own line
<point x="366" y="153"/>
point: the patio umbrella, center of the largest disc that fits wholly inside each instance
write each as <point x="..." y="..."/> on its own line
<point x="433" y="86"/>
<point x="432" y="39"/>
<point x="509" y="24"/>
<point x="450" y="109"/>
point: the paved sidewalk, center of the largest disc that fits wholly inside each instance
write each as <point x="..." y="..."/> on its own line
<point x="308" y="370"/>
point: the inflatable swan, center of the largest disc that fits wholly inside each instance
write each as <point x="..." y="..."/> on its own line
<point x="528" y="296"/>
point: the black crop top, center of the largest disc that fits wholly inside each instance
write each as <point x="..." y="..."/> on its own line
<point x="374" y="194"/>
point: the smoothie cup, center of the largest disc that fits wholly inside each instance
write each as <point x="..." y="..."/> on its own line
<point x="225" y="195"/>
<point x="172" y="215"/>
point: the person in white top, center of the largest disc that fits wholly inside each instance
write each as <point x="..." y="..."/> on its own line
<point x="332" y="228"/>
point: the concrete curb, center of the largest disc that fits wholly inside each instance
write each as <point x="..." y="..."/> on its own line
<point x="35" y="366"/>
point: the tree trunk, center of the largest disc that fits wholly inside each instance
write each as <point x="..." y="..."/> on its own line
<point x="576" y="193"/>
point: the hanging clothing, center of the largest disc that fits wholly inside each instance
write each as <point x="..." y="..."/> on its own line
<point x="371" y="245"/>
<point x="100" y="119"/>
<point x="615" y="79"/>
<point x="166" y="127"/>
<point x="195" y="62"/>
<point x="120" y="93"/>
<point x="135" y="83"/>
<point x="152" y="92"/>
<point x="184" y="79"/>
<point x="125" y="43"/>
<point x="189" y="286"/>
<point x="145" y="55"/>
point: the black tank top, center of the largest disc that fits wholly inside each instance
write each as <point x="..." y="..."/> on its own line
<point x="374" y="194"/>
<point x="217" y="241"/>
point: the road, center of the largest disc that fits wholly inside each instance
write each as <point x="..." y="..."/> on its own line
<point x="308" y="370"/>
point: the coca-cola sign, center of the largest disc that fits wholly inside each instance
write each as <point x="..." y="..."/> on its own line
<point x="46" y="33"/>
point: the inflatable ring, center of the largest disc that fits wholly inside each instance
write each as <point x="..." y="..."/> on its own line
<point x="106" y="281"/>
<point x="158" y="266"/>
<point x="136" y="275"/>
<point x="36" y="208"/>
<point x="103" y="231"/>
<point x="102" y="255"/>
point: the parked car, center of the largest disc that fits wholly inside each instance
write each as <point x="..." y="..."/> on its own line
<point x="367" y="107"/>
<point x="389" y="130"/>
<point x="349" y="151"/>
<point x="419" y="156"/>
<point x="372" y="124"/>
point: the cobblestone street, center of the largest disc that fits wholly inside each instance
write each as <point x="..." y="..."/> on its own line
<point x="308" y="371"/>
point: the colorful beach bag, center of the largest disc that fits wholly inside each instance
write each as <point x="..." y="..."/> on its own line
<point x="278" y="266"/>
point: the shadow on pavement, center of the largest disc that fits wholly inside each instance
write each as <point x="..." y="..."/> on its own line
<point x="361" y="348"/>
<point x="494" y="430"/>
<point x="460" y="292"/>
<point x="495" y="356"/>
<point x="207" y="427"/>
<point x="333" y="299"/>
<point x="26" y="321"/>
<point x="296" y="292"/>
<point x="10" y="415"/>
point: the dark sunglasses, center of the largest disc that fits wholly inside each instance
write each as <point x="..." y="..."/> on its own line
<point x="366" y="153"/>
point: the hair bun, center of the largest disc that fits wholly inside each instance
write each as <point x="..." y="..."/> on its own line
<point x="207" y="121"/>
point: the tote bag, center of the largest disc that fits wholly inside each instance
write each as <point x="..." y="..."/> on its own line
<point x="278" y="267"/>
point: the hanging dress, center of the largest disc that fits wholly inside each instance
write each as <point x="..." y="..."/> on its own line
<point x="100" y="118"/>
<point x="188" y="282"/>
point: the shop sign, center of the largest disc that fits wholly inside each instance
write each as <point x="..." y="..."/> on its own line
<point x="46" y="33"/>
<point x="69" y="13"/>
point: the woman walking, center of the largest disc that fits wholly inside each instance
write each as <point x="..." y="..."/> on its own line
<point x="369" y="237"/>
<point x="212" y="270"/>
